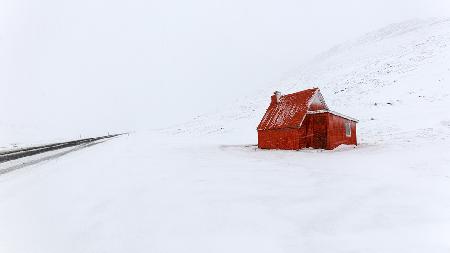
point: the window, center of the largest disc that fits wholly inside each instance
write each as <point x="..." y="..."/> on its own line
<point x="348" y="129"/>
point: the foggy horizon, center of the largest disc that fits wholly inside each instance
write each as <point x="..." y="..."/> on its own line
<point x="141" y="65"/>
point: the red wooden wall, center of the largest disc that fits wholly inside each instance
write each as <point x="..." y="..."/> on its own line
<point x="336" y="131"/>
<point x="315" y="135"/>
<point x="287" y="138"/>
<point x="321" y="131"/>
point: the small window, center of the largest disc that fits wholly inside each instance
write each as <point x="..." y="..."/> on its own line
<point x="348" y="129"/>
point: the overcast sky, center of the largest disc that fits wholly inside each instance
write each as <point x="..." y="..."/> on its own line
<point x="102" y="64"/>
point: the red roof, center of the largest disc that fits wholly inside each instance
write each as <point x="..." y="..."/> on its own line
<point x="289" y="112"/>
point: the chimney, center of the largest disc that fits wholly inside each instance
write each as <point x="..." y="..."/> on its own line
<point x="276" y="97"/>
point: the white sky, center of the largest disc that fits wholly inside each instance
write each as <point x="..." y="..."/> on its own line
<point x="101" y="64"/>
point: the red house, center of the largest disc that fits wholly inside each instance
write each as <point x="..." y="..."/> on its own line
<point x="302" y="120"/>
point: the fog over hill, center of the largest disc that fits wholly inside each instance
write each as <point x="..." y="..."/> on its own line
<point x="88" y="67"/>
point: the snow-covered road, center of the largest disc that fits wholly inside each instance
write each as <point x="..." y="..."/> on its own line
<point x="9" y="166"/>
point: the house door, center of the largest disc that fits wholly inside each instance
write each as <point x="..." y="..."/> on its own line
<point x="319" y="131"/>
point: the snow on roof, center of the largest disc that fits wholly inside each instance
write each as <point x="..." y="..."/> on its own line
<point x="334" y="113"/>
<point x="289" y="112"/>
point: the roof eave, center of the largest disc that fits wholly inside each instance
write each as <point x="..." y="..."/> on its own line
<point x="334" y="113"/>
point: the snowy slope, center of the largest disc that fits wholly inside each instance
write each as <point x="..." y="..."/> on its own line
<point x="386" y="79"/>
<point x="200" y="188"/>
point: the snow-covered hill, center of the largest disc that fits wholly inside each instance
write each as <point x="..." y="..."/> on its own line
<point x="396" y="81"/>
<point x="200" y="187"/>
